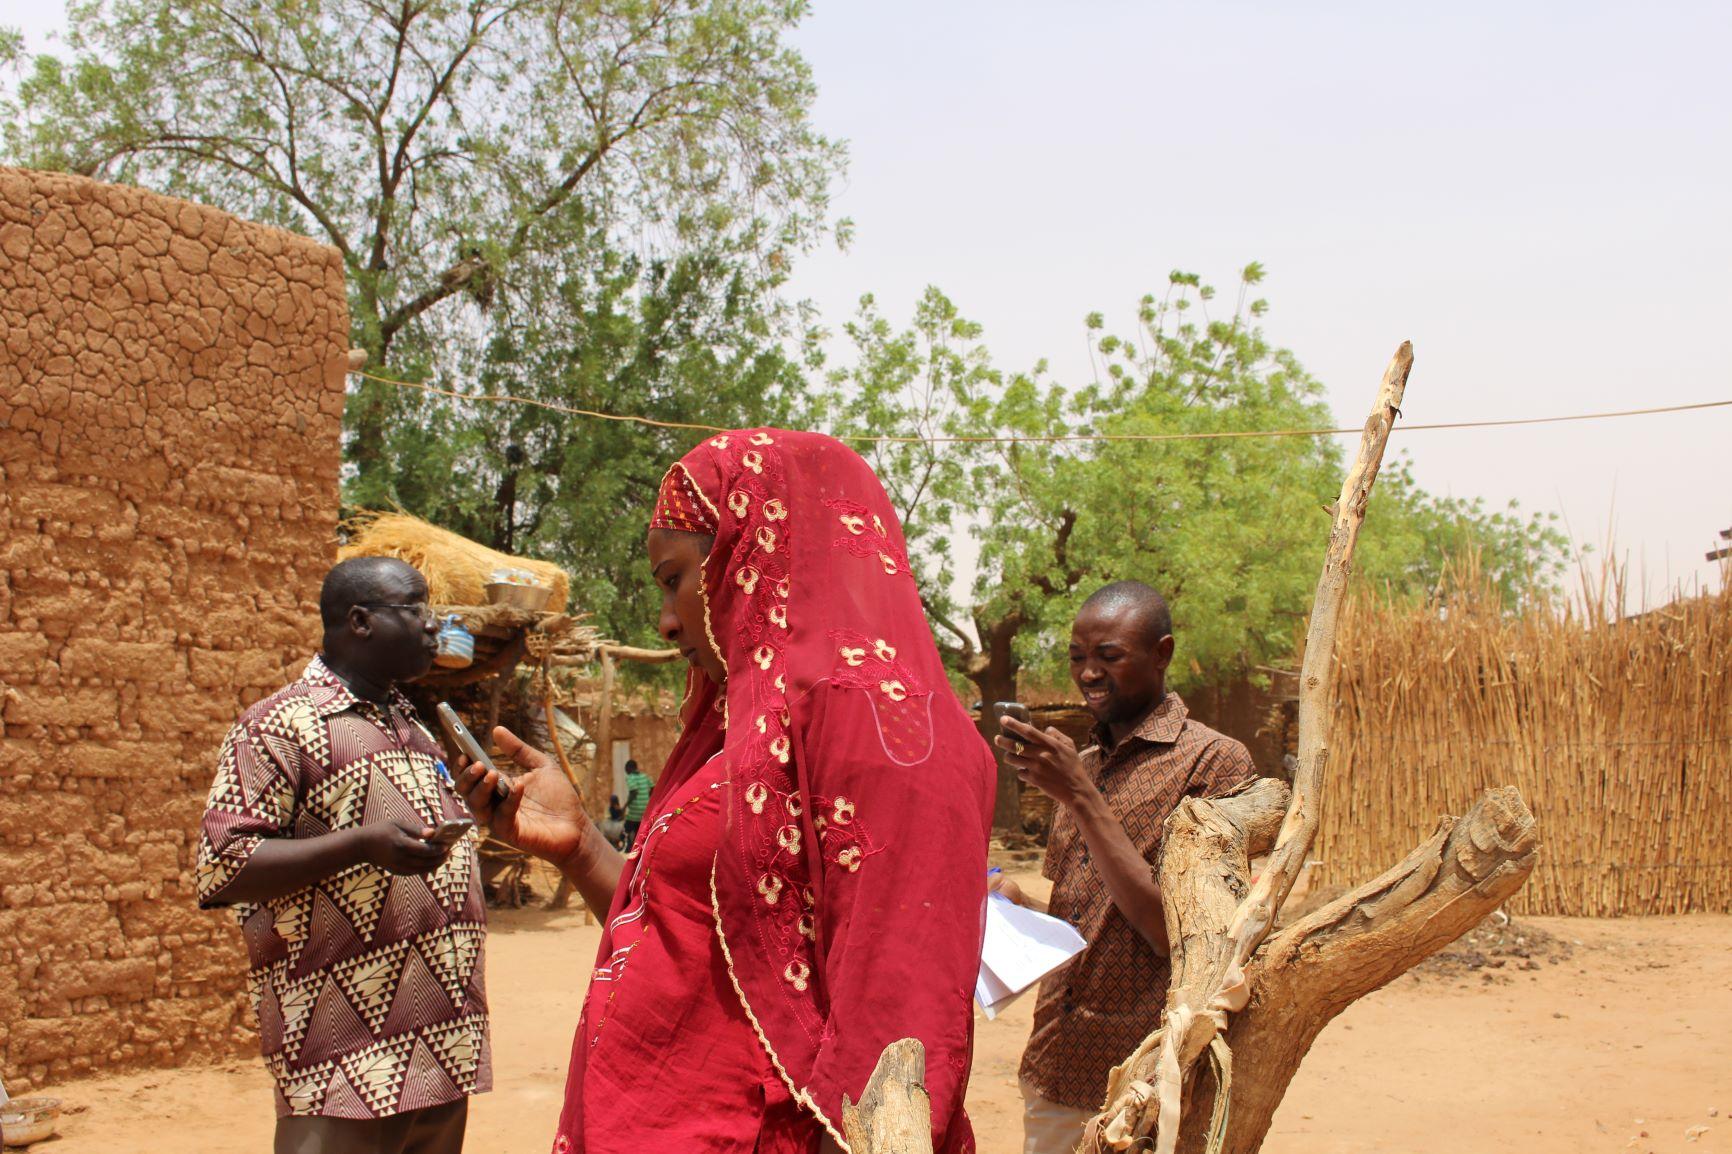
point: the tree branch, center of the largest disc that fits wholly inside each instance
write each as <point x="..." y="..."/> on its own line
<point x="1210" y="976"/>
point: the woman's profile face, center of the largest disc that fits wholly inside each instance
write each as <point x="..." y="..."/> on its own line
<point x="677" y="566"/>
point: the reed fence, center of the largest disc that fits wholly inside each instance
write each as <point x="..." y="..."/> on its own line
<point x="1616" y="728"/>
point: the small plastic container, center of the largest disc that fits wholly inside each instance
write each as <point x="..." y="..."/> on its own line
<point x="456" y="645"/>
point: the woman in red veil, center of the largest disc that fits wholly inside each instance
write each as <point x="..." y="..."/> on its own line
<point x="808" y="884"/>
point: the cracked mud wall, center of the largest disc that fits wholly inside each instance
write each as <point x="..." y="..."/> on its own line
<point x="171" y="396"/>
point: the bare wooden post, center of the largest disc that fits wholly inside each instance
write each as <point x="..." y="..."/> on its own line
<point x="894" y="1115"/>
<point x="1214" y="933"/>
<point x="604" y="739"/>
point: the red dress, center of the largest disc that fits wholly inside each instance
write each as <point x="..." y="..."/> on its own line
<point x="665" y="1057"/>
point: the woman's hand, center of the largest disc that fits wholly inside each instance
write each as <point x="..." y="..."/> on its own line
<point x="540" y="815"/>
<point x="1045" y="759"/>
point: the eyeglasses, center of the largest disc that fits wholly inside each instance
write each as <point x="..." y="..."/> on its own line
<point x="420" y="609"/>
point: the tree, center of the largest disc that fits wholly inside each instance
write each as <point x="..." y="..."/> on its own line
<point x="1407" y="547"/>
<point x="442" y="146"/>
<point x="1141" y="473"/>
<point x="684" y="342"/>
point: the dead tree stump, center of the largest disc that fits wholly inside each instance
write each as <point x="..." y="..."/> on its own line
<point x="1252" y="1007"/>
<point x="894" y="1115"/>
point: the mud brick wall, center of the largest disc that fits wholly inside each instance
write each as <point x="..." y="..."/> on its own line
<point x="171" y="393"/>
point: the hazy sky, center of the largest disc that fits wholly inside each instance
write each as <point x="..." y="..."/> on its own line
<point x="1536" y="195"/>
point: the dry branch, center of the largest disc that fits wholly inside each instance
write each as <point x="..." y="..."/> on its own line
<point x="1312" y="970"/>
<point x="1214" y="983"/>
<point x="894" y="1115"/>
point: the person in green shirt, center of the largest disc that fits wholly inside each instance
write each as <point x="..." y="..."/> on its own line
<point x="637" y="792"/>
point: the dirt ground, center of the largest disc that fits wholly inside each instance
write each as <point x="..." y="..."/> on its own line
<point x="1583" y="1036"/>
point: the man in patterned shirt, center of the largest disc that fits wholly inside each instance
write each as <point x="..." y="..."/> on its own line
<point x="364" y="937"/>
<point x="1113" y="798"/>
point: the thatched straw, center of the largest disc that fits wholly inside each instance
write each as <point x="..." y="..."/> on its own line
<point x="1617" y="730"/>
<point x="455" y="567"/>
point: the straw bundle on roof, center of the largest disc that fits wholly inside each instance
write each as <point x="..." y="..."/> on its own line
<point x="455" y="567"/>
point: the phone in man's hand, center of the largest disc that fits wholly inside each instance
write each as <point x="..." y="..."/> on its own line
<point x="1014" y="709"/>
<point x="458" y="735"/>
<point x="448" y="831"/>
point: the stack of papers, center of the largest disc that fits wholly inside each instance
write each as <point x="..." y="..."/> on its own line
<point x="1021" y="947"/>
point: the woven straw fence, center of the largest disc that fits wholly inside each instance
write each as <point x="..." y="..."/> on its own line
<point x="1617" y="731"/>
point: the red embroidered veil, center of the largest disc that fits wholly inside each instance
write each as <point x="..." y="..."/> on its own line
<point x="850" y="885"/>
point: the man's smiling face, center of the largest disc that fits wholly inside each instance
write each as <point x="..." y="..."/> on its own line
<point x="1116" y="662"/>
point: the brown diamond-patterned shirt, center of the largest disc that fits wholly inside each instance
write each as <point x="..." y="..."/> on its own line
<point x="1093" y="1012"/>
<point x="368" y="985"/>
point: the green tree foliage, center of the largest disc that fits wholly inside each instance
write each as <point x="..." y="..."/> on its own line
<point x="448" y="148"/>
<point x="683" y="342"/>
<point x="1230" y="528"/>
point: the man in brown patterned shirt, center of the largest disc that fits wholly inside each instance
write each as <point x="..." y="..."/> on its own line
<point x="1113" y="798"/>
<point x="364" y="934"/>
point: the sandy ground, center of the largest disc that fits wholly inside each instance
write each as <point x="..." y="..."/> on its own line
<point x="1623" y="1045"/>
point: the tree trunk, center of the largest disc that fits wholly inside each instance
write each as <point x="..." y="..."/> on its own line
<point x="368" y="405"/>
<point x="993" y="673"/>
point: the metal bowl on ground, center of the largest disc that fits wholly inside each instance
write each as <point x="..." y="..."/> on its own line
<point x="532" y="598"/>
<point x="27" y="1120"/>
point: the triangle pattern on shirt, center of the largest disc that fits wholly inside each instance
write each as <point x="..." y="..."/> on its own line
<point x="409" y="910"/>
<point x="450" y="882"/>
<point x="341" y="1100"/>
<point x="256" y="769"/>
<point x="330" y="938"/>
<point x="371" y="983"/>
<point x="270" y="1020"/>
<point x="221" y="824"/>
<point x="349" y="740"/>
<point x="385" y="802"/>
<point x="454" y="958"/>
<point x="335" y="1028"/>
<point x="411" y="773"/>
<point x="361" y="895"/>
<point x="426" y="1083"/>
<point x="474" y="908"/>
<point x="475" y="1001"/>
<point x="419" y="1000"/>
<point x="377" y="1072"/>
<point x="296" y="1004"/>
<point x="290" y="922"/>
<point x="457" y="1050"/>
<point x="264" y="946"/>
<point x="304" y="1091"/>
<point x="338" y="800"/>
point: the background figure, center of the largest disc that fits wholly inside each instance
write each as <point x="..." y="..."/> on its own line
<point x="1113" y="798"/>
<point x="637" y="795"/>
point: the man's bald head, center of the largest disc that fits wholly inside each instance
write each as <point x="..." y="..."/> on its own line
<point x="367" y="581"/>
<point x="1134" y="601"/>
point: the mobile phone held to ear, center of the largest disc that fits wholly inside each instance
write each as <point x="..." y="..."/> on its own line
<point x="450" y="830"/>
<point x="458" y="735"/>
<point x="1014" y="709"/>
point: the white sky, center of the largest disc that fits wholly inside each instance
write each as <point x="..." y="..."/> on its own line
<point x="1535" y="194"/>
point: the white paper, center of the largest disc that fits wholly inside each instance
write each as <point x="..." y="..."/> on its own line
<point x="1021" y="947"/>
